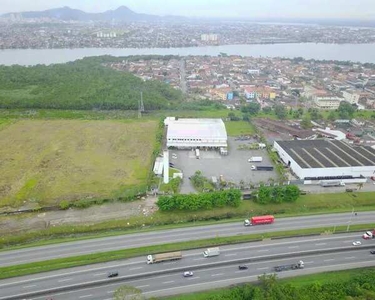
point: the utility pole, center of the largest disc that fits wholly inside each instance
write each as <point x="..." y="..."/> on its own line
<point x="141" y="107"/>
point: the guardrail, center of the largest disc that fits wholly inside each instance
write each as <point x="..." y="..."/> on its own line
<point x="180" y="269"/>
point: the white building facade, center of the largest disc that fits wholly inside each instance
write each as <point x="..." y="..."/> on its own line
<point x="196" y="133"/>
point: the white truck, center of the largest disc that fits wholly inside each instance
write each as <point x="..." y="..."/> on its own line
<point x="328" y="183"/>
<point x="255" y="159"/>
<point x="197" y="154"/>
<point x="211" y="252"/>
<point x="156" y="258"/>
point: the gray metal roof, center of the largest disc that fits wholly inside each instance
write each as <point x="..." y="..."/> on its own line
<point x="328" y="154"/>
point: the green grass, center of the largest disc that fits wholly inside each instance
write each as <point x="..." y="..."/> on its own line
<point x="306" y="205"/>
<point x="62" y="263"/>
<point x="298" y="282"/>
<point x="46" y="161"/>
<point x="236" y="128"/>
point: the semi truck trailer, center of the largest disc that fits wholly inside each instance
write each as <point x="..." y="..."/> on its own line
<point x="255" y="159"/>
<point x="262" y="168"/>
<point x="156" y="258"/>
<point x="299" y="265"/>
<point x="259" y="220"/>
<point x="331" y="183"/>
<point x="211" y="252"/>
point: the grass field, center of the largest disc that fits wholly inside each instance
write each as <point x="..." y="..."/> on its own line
<point x="236" y="128"/>
<point x="44" y="161"/>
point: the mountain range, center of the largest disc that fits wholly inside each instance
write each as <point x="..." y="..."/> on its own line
<point x="122" y="13"/>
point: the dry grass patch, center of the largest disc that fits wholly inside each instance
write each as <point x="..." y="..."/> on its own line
<point x="43" y="161"/>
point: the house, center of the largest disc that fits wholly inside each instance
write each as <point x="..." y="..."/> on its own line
<point x="252" y="93"/>
<point x="351" y="96"/>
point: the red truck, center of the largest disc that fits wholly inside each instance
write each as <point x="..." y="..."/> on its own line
<point x="260" y="220"/>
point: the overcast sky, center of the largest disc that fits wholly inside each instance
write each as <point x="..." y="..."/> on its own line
<point x="363" y="9"/>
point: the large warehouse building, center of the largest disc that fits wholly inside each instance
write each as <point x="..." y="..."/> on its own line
<point x="196" y="133"/>
<point x="326" y="159"/>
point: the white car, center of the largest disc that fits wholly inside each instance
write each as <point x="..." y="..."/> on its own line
<point x="188" y="274"/>
<point x="357" y="243"/>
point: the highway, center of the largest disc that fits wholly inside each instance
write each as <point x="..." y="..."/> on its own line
<point x="140" y="239"/>
<point x="257" y="253"/>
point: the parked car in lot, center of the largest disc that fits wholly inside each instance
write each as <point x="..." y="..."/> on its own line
<point x="188" y="274"/>
<point x="243" y="267"/>
<point x="357" y="243"/>
<point x="113" y="274"/>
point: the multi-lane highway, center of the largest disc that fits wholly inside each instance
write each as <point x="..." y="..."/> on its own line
<point x="175" y="235"/>
<point x="167" y="276"/>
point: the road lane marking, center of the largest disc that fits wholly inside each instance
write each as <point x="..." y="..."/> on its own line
<point x="234" y="254"/>
<point x="166" y="282"/>
<point x="265" y="250"/>
<point x="28" y="286"/>
<point x="132" y="269"/>
<point x="219" y="274"/>
<point x="192" y="278"/>
<point x="202" y="258"/>
<point x="67" y="279"/>
<point x="110" y="292"/>
<point x="85" y="296"/>
<point x="99" y="274"/>
<point x="142" y="286"/>
<point x="169" y="263"/>
<point x="265" y="268"/>
<point x="351" y="257"/>
<point x="293" y="247"/>
<point x="331" y="259"/>
<point x="309" y="262"/>
<point x="320" y="244"/>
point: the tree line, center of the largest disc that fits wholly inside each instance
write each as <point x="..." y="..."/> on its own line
<point x="83" y="84"/>
<point x="200" y="201"/>
<point x="277" y="194"/>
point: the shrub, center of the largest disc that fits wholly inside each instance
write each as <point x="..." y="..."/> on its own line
<point x="64" y="205"/>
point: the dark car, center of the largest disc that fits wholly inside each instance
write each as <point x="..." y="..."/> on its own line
<point x="113" y="274"/>
<point x="372" y="251"/>
<point x="242" y="267"/>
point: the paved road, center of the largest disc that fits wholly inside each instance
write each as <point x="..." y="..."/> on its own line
<point x="215" y="277"/>
<point x="175" y="235"/>
<point x="192" y="259"/>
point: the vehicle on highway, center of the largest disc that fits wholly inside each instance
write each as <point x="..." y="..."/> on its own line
<point x="299" y="265"/>
<point x="156" y="258"/>
<point x="112" y="274"/>
<point x="211" y="252"/>
<point x="368" y="235"/>
<point x="188" y="274"/>
<point x="372" y="251"/>
<point x="243" y="267"/>
<point x="260" y="220"/>
<point x="357" y="243"/>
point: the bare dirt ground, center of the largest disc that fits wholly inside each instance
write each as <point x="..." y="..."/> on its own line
<point x="94" y="214"/>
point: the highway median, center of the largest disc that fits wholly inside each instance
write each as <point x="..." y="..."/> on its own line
<point x="68" y="262"/>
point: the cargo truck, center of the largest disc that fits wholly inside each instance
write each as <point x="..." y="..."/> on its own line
<point x="211" y="252"/>
<point x="255" y="159"/>
<point x="262" y="168"/>
<point x="331" y="183"/>
<point x="260" y="220"/>
<point x="299" y="265"/>
<point x="156" y="258"/>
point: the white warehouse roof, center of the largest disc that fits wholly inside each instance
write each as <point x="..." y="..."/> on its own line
<point x="196" y="133"/>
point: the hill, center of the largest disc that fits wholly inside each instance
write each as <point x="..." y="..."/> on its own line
<point x="121" y="14"/>
<point x="83" y="84"/>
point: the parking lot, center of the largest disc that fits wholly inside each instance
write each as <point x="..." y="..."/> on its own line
<point x="234" y="167"/>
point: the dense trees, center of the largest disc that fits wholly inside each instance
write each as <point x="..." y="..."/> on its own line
<point x="359" y="287"/>
<point x="280" y="111"/>
<point x="277" y="194"/>
<point x="200" y="201"/>
<point x="83" y="84"/>
<point x="346" y="110"/>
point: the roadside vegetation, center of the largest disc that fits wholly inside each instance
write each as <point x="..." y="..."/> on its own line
<point x="62" y="263"/>
<point x="305" y="205"/>
<point x="351" y="284"/>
